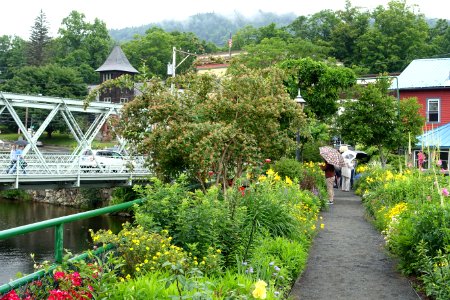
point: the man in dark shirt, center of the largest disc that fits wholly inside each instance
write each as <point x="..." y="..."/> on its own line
<point x="329" y="177"/>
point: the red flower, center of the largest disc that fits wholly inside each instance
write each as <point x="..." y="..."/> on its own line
<point x="242" y="190"/>
<point x="210" y="173"/>
<point x="59" y="295"/>
<point x="268" y="160"/>
<point x="75" y="278"/>
<point x="59" y="275"/>
<point x="12" y="295"/>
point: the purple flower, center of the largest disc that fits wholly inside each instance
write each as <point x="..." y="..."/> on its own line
<point x="445" y="192"/>
<point x="276" y="293"/>
<point x="277" y="268"/>
<point x="249" y="270"/>
<point x="271" y="263"/>
<point x="244" y="263"/>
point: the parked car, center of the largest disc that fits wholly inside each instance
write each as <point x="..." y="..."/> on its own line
<point x="105" y="160"/>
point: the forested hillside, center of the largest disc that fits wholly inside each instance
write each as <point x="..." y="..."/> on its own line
<point x="211" y="27"/>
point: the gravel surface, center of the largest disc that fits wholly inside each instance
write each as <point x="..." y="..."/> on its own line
<point x="347" y="259"/>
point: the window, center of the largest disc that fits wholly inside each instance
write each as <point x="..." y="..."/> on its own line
<point x="433" y="111"/>
<point x="107" y="99"/>
<point x="106" y="76"/>
<point x="123" y="100"/>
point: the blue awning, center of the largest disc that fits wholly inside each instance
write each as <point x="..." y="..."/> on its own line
<point x="438" y="137"/>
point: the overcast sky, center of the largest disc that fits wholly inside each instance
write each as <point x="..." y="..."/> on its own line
<point x="17" y="16"/>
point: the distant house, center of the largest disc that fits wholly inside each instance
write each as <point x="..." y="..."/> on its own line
<point x="116" y="65"/>
<point x="214" y="63"/>
<point x="429" y="81"/>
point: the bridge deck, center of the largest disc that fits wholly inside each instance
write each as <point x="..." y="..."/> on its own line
<point x="65" y="170"/>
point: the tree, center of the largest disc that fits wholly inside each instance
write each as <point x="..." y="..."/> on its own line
<point x="272" y="51"/>
<point x="39" y="40"/>
<point x="440" y="38"/>
<point x="213" y="129"/>
<point x="154" y="49"/>
<point x="12" y="55"/>
<point x="377" y="119"/>
<point x="321" y="84"/>
<point x="345" y="34"/>
<point x="82" y="45"/>
<point x="397" y="36"/>
<point x="48" y="80"/>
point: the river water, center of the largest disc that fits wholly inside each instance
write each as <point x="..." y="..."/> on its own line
<point x="15" y="252"/>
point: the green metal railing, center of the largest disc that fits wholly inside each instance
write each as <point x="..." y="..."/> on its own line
<point x="58" y="224"/>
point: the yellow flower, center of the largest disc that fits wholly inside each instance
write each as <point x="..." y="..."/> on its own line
<point x="313" y="227"/>
<point x="262" y="178"/>
<point x="270" y="172"/>
<point x="249" y="176"/>
<point x="138" y="269"/>
<point x="146" y="261"/>
<point x="322" y="226"/>
<point x="219" y="251"/>
<point x="260" y="290"/>
<point x="277" y="177"/>
<point x="288" y="181"/>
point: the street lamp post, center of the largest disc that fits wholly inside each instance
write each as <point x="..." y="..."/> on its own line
<point x="300" y="101"/>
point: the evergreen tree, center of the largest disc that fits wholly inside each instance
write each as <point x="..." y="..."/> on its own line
<point x="39" y="39"/>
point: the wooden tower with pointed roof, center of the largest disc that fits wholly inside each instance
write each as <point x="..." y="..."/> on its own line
<point x="116" y="65"/>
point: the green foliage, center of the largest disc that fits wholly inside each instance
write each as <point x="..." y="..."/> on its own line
<point x="39" y="40"/>
<point x="397" y="36"/>
<point x="91" y="197"/>
<point x="288" y="167"/>
<point x="15" y="194"/>
<point x="361" y="120"/>
<point x="51" y="80"/>
<point x="144" y="251"/>
<point x="220" y="127"/>
<point x="83" y="279"/>
<point x="411" y="209"/>
<point x="435" y="272"/>
<point x="123" y="194"/>
<point x="282" y="259"/>
<point x="200" y="220"/>
<point x="320" y="84"/>
<point x="427" y="223"/>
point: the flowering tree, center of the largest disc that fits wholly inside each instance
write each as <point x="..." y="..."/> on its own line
<point x="211" y="128"/>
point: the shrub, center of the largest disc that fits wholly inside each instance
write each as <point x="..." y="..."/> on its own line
<point x="143" y="251"/>
<point x="288" y="167"/>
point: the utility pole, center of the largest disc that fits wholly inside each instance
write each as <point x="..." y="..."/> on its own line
<point x="171" y="67"/>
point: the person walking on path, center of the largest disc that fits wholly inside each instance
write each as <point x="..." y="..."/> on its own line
<point x="348" y="260"/>
<point x="329" y="177"/>
<point x="346" y="174"/>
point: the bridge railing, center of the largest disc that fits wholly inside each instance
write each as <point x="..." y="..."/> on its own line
<point x="67" y="164"/>
<point x="58" y="224"/>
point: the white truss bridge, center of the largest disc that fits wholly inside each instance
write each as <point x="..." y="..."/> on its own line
<point x="64" y="170"/>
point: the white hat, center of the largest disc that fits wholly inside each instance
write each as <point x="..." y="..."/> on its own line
<point x="343" y="149"/>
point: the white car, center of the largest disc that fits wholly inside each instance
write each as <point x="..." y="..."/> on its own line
<point x="104" y="160"/>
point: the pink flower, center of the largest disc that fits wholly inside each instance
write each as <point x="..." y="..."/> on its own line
<point x="58" y="275"/>
<point x="268" y="160"/>
<point x="445" y="192"/>
<point x="75" y="278"/>
<point x="439" y="163"/>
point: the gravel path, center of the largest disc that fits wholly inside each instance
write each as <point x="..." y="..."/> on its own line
<point x="348" y="261"/>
